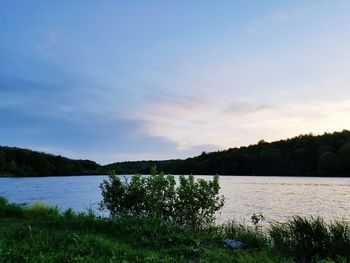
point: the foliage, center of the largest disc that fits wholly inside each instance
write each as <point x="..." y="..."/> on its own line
<point x="304" y="155"/>
<point x="197" y="201"/>
<point x="256" y="219"/>
<point x="42" y="234"/>
<point x="310" y="240"/>
<point x="79" y="237"/>
<point x="22" y="162"/>
<point x="191" y="203"/>
<point x="251" y="236"/>
<point x="116" y="198"/>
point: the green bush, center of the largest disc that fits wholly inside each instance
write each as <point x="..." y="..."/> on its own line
<point x="9" y="210"/>
<point x="192" y="203"/>
<point x="42" y="210"/>
<point x="126" y="197"/>
<point x="197" y="201"/>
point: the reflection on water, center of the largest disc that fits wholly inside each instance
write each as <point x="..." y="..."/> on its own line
<point x="281" y="197"/>
<point x="276" y="197"/>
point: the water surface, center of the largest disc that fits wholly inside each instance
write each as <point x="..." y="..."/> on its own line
<point x="276" y="197"/>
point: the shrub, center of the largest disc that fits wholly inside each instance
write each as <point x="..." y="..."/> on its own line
<point x="160" y="193"/>
<point x="191" y="203"/>
<point x="9" y="210"/>
<point x="41" y="210"/>
<point x="197" y="201"/>
<point x="126" y="197"/>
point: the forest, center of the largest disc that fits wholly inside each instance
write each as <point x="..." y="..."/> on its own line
<point x="23" y="162"/>
<point x="304" y="155"/>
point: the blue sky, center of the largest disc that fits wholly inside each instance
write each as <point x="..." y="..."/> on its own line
<point x="131" y="80"/>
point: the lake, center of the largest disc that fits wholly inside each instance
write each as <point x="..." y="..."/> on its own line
<point x="277" y="198"/>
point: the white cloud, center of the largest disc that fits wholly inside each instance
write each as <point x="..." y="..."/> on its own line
<point x="49" y="41"/>
<point x="194" y="125"/>
<point x="273" y="19"/>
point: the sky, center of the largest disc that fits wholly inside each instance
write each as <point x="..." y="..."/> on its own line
<point x="138" y="80"/>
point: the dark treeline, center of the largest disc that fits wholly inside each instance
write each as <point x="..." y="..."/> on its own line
<point x="22" y="162"/>
<point x="304" y="155"/>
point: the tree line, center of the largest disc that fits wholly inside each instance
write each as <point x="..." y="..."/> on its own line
<point x="304" y="155"/>
<point x="23" y="162"/>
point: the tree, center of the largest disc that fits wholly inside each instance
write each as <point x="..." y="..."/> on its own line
<point x="344" y="159"/>
<point x="327" y="164"/>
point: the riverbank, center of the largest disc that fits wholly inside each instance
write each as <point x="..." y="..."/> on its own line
<point x="43" y="234"/>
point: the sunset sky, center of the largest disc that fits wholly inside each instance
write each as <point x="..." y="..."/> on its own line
<point x="131" y="80"/>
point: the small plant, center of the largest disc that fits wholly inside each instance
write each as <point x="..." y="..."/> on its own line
<point x="39" y="209"/>
<point x="256" y="219"/>
<point x="191" y="203"/>
<point x="252" y="238"/>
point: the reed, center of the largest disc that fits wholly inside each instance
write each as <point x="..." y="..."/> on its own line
<point x="312" y="239"/>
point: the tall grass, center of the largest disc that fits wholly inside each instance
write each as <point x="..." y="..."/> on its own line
<point x="312" y="239"/>
<point x="252" y="237"/>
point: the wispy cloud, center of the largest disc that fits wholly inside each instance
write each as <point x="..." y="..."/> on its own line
<point x="274" y="19"/>
<point x="75" y="80"/>
<point x="245" y="108"/>
<point x="248" y="124"/>
<point x="49" y="42"/>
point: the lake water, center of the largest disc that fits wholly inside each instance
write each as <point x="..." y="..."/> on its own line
<point x="277" y="198"/>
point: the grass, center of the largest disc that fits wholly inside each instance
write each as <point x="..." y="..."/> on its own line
<point x="312" y="240"/>
<point x="42" y="234"/>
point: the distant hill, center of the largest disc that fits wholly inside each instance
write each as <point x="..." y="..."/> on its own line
<point x="22" y="162"/>
<point x="304" y="155"/>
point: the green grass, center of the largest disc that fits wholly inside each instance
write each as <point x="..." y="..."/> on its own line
<point x="42" y="234"/>
<point x="312" y="239"/>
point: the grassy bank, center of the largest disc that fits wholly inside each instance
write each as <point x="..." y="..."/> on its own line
<point x="43" y="234"/>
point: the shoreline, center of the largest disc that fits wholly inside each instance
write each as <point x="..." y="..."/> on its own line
<point x="55" y="236"/>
